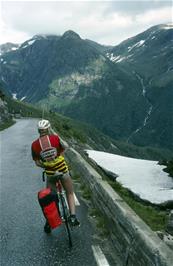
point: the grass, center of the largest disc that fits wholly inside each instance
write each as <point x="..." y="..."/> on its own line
<point x="94" y="213"/>
<point x="100" y="222"/>
<point x="86" y="193"/>
<point x="99" y="219"/>
<point x="151" y="214"/>
<point x="76" y="178"/>
<point x="6" y="124"/>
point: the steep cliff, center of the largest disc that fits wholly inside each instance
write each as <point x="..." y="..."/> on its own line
<point x="5" y="116"/>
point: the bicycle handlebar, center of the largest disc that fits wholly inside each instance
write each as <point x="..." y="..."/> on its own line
<point x="43" y="176"/>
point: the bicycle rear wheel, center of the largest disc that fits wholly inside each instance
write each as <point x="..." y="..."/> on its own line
<point x="65" y="213"/>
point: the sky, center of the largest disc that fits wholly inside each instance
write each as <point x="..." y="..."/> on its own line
<point x="106" y="22"/>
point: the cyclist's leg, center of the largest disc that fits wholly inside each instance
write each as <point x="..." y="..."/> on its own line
<point x="68" y="187"/>
<point x="51" y="182"/>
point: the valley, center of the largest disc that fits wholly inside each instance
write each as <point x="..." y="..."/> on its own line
<point x="124" y="91"/>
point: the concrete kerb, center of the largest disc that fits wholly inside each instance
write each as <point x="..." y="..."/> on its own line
<point x="134" y="231"/>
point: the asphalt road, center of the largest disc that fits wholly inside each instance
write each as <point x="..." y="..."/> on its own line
<point x="22" y="239"/>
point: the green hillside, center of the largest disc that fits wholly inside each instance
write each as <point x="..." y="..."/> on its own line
<point x="124" y="91"/>
<point x="83" y="136"/>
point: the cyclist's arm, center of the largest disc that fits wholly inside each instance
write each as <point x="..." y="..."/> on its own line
<point x="63" y="144"/>
<point x="36" y="158"/>
<point x="61" y="148"/>
<point x="39" y="163"/>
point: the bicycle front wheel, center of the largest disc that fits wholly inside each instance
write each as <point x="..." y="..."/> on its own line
<point x="65" y="213"/>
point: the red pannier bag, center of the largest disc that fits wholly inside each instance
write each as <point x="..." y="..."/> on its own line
<point x="48" y="201"/>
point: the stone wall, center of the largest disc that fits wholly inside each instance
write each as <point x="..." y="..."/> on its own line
<point x="133" y="240"/>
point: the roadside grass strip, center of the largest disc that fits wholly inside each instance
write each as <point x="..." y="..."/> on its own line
<point x="99" y="256"/>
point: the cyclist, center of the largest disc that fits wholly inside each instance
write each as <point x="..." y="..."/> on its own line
<point x="47" y="152"/>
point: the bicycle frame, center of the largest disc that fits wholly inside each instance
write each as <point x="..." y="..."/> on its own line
<point x="63" y="206"/>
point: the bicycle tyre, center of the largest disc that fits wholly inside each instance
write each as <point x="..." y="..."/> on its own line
<point x="65" y="215"/>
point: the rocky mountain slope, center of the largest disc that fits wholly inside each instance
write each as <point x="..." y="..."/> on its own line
<point x="5" y="116"/>
<point x="149" y="57"/>
<point x="119" y="90"/>
<point x="8" y="47"/>
<point x="43" y="65"/>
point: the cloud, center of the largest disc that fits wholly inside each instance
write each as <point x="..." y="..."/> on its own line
<point x="105" y="22"/>
<point x="136" y="7"/>
<point x="160" y="15"/>
<point x="155" y="16"/>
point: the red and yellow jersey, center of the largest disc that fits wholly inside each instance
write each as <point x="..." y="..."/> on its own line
<point x="46" y="141"/>
<point x="48" y="149"/>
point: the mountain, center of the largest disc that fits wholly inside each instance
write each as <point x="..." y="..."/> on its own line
<point x="99" y="47"/>
<point x="7" y="47"/>
<point x="128" y="99"/>
<point x="79" y="135"/>
<point x="40" y="64"/>
<point x="149" y="57"/>
<point x="5" y="115"/>
<point x="146" y="51"/>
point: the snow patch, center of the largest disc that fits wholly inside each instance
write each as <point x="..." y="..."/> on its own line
<point x="138" y="44"/>
<point x="121" y="59"/>
<point x="24" y="46"/>
<point x="168" y="26"/>
<point x="144" y="178"/>
<point x="31" y="42"/>
<point x="28" y="44"/>
<point x="23" y="98"/>
<point x="3" y="79"/>
<point x="112" y="57"/>
<point x="118" y="58"/>
<point x="14" y="48"/>
<point x="14" y="95"/>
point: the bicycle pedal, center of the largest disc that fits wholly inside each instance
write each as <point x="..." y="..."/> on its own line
<point x="73" y="221"/>
<point x="63" y="219"/>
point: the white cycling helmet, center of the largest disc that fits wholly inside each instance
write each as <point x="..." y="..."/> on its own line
<point x="43" y="124"/>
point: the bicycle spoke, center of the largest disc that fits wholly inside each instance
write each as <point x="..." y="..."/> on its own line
<point x="65" y="215"/>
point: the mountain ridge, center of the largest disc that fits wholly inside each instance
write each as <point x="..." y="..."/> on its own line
<point x="77" y="78"/>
